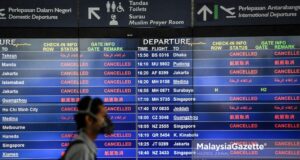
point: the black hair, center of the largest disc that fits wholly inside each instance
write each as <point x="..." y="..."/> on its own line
<point x="83" y="106"/>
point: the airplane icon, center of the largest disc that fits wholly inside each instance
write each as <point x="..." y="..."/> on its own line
<point x="229" y="11"/>
<point x="2" y="14"/>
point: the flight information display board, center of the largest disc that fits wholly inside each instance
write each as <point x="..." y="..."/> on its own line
<point x="170" y="98"/>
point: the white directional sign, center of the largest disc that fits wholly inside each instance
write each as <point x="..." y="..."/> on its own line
<point x="204" y="10"/>
<point x="93" y="12"/>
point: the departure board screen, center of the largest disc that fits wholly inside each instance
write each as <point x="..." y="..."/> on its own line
<point x="169" y="98"/>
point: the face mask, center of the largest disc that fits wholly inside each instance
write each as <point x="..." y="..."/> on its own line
<point x="106" y="123"/>
<point x="109" y="128"/>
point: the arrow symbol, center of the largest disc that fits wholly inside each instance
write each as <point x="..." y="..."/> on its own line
<point x="92" y="12"/>
<point x="204" y="10"/>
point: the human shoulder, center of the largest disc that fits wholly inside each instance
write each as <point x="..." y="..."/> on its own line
<point x="78" y="147"/>
<point x="77" y="151"/>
